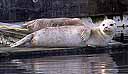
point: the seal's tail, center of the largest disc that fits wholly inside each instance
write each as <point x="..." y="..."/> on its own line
<point x="22" y="41"/>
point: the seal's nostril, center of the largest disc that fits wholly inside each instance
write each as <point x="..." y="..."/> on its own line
<point x="106" y="27"/>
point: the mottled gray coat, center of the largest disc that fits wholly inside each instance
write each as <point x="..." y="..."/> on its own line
<point x="70" y="36"/>
<point x="38" y="24"/>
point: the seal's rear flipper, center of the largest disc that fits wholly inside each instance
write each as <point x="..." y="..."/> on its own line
<point x="22" y="41"/>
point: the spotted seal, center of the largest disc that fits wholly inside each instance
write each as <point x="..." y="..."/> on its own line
<point x="70" y="36"/>
<point x="38" y="24"/>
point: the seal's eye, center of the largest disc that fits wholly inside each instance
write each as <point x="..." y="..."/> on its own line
<point x="103" y="24"/>
<point x="111" y="24"/>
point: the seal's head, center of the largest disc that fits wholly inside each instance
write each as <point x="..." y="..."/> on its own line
<point x="108" y="27"/>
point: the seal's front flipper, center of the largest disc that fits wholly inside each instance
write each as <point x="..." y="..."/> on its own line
<point x="22" y="41"/>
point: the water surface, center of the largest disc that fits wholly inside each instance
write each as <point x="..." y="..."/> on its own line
<point x="71" y="64"/>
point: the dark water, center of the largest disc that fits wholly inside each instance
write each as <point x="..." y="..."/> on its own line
<point x="116" y="63"/>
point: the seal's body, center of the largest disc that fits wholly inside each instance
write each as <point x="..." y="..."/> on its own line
<point x="38" y="24"/>
<point x="70" y="36"/>
<point x="65" y="36"/>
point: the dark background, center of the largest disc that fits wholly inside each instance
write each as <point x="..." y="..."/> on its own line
<point x="20" y="10"/>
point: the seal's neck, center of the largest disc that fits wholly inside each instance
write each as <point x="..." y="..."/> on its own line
<point x="105" y="34"/>
<point x="98" y="32"/>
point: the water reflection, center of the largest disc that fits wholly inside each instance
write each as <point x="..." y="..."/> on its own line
<point x="122" y="62"/>
<point x="75" y="64"/>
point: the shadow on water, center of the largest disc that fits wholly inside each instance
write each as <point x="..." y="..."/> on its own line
<point x="72" y="64"/>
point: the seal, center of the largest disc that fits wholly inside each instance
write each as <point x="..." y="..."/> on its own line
<point x="70" y="36"/>
<point x="38" y="24"/>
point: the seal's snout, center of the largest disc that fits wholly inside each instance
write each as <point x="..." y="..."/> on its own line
<point x="107" y="30"/>
<point x="106" y="27"/>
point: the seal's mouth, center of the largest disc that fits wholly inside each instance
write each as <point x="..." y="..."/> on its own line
<point x="108" y="31"/>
